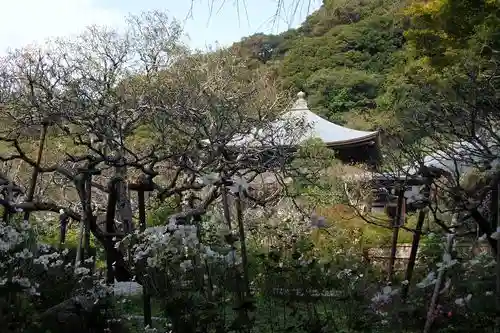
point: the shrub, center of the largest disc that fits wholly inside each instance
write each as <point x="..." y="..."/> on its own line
<point x="36" y="278"/>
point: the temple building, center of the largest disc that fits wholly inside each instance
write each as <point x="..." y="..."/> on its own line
<point x="350" y="145"/>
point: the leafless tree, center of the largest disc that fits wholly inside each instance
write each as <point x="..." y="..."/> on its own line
<point x="109" y="110"/>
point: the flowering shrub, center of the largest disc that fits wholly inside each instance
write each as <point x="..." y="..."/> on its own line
<point x="466" y="298"/>
<point x="174" y="250"/>
<point x="189" y="276"/>
<point x="296" y="263"/>
<point x="35" y="277"/>
<point x="197" y="272"/>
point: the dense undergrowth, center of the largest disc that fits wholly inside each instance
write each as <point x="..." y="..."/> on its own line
<point x="310" y="283"/>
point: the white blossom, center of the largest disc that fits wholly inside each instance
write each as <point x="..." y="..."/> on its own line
<point x="186" y="264"/>
<point x="496" y="234"/>
<point x="447" y="262"/>
<point x="429" y="280"/>
<point x="385" y="296"/>
<point x="464" y="300"/>
<point x="82" y="271"/>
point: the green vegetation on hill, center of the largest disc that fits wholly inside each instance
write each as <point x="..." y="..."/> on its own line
<point x="341" y="55"/>
<point x="365" y="63"/>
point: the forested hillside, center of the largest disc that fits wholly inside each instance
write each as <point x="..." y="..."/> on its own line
<point x="364" y="63"/>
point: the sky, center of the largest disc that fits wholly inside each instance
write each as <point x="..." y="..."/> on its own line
<point x="33" y="21"/>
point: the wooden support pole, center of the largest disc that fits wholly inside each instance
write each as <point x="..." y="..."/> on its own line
<point x="395" y="231"/>
<point x="497" y="222"/>
<point x="9" y="198"/>
<point x="110" y="230"/>
<point x="225" y="206"/>
<point x="415" y="244"/>
<point x="86" y="174"/>
<point x="439" y="281"/>
<point x="36" y="170"/>
<point x="241" y="231"/>
<point x="145" y="294"/>
<point x="494" y="207"/>
<point x="80" y="244"/>
<point x="88" y="216"/>
<point x="413" y="253"/>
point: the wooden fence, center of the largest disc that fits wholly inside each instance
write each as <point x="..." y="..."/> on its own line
<point x="381" y="255"/>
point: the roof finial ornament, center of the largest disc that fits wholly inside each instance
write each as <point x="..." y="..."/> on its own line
<point x="300" y="103"/>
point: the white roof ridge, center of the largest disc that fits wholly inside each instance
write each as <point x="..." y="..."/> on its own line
<point x="315" y="127"/>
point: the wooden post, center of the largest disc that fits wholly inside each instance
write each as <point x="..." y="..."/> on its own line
<point x="437" y="287"/>
<point x="86" y="174"/>
<point x="225" y="206"/>
<point x="241" y="231"/>
<point x="413" y="253"/>
<point x="415" y="244"/>
<point x="34" y="175"/>
<point x="89" y="215"/>
<point x="245" y="293"/>
<point x="494" y="207"/>
<point x="80" y="187"/>
<point x="80" y="243"/>
<point x="395" y="231"/>
<point x="110" y="231"/>
<point x="142" y="225"/>
<point x="497" y="215"/>
<point x="9" y="199"/>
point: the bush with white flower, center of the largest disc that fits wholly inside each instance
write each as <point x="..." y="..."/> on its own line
<point x="194" y="279"/>
<point x="292" y="264"/>
<point x="35" y="277"/>
<point x="465" y="298"/>
<point x="175" y="252"/>
<point x="16" y="260"/>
